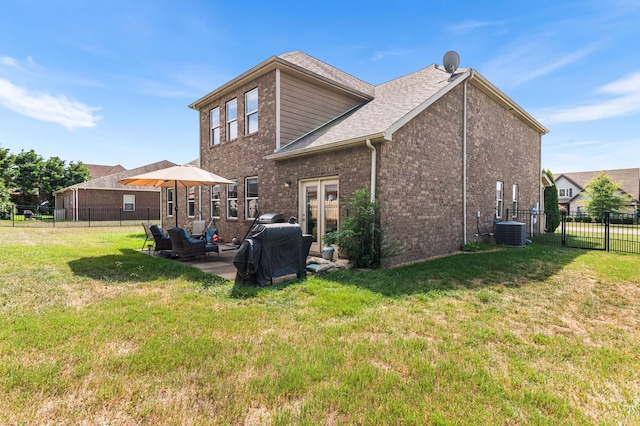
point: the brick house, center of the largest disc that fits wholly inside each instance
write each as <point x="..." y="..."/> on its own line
<point x="103" y="198"/>
<point x="299" y="136"/>
<point x="571" y="187"/>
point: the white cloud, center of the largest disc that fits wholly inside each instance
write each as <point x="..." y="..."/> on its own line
<point x="468" y="26"/>
<point x="624" y="100"/>
<point x="45" y="107"/>
<point x="391" y="52"/>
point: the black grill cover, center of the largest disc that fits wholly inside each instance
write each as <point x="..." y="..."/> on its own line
<point x="271" y="251"/>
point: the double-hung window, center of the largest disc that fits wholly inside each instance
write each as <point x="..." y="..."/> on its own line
<point x="499" y="198"/>
<point x="565" y="192"/>
<point x="215" y="126"/>
<point x="169" y="201"/>
<point x="129" y="202"/>
<point x="515" y="201"/>
<point x="215" y="201"/>
<point x="251" y="111"/>
<point x="251" y="198"/>
<point x="191" y="202"/>
<point x="232" y="199"/>
<point x="232" y="119"/>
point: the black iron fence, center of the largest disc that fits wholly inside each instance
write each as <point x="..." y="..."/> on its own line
<point x="38" y="216"/>
<point x="618" y="232"/>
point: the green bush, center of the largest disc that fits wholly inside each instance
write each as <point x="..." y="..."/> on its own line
<point x="360" y="236"/>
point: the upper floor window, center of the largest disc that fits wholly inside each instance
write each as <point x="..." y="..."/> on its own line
<point x="251" y="198"/>
<point x="499" y="198"/>
<point x="565" y="192"/>
<point x="191" y="202"/>
<point x="215" y="126"/>
<point x="232" y="119"/>
<point x="215" y="201"/>
<point x="169" y="201"/>
<point x="251" y="111"/>
<point x="129" y="202"/>
<point x="232" y="200"/>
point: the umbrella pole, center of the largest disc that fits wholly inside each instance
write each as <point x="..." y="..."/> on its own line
<point x="175" y="197"/>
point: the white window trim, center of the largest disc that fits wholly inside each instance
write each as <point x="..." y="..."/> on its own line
<point x="499" y="199"/>
<point x="132" y="202"/>
<point x="231" y="121"/>
<point x="216" y="200"/>
<point x="191" y="201"/>
<point x="247" y="113"/>
<point x="170" y="202"/>
<point x="229" y="199"/>
<point x="247" y="198"/>
<point x="213" y="127"/>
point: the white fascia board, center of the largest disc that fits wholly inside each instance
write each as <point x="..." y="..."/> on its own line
<point x="324" y="148"/>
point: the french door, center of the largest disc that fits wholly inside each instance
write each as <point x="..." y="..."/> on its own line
<point x="318" y="209"/>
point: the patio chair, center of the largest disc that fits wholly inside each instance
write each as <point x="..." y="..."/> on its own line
<point x="184" y="246"/>
<point x="162" y="240"/>
<point x="147" y="231"/>
<point x="198" y="228"/>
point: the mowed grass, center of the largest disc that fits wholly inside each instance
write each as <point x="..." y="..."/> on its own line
<point x="94" y="332"/>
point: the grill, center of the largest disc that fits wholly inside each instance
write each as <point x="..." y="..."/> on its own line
<point x="271" y="218"/>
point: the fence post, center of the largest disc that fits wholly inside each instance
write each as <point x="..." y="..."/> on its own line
<point x="607" y="218"/>
<point x="89" y="217"/>
<point x="564" y="227"/>
<point x="120" y="216"/>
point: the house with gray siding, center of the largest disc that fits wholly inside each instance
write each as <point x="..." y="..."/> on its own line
<point x="571" y="195"/>
<point x="299" y="137"/>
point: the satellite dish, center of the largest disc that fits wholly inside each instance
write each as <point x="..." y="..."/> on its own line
<point x="451" y="61"/>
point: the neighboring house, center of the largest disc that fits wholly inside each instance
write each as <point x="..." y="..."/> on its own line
<point x="98" y="170"/>
<point x="571" y="196"/>
<point x="299" y="136"/>
<point x="104" y="198"/>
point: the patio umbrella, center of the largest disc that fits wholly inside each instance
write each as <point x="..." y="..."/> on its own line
<point x="175" y="176"/>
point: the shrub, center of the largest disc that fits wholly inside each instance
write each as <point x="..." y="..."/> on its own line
<point x="360" y="236"/>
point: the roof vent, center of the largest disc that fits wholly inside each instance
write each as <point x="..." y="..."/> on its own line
<point x="511" y="234"/>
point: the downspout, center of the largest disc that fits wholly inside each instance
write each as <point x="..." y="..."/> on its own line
<point x="373" y="169"/>
<point x="464" y="165"/>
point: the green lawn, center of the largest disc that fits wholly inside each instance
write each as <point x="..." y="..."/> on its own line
<point x="94" y="332"/>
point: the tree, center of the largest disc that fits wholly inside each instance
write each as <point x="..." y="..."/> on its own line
<point x="76" y="173"/>
<point x="28" y="168"/>
<point x="603" y="195"/>
<point x="551" y="207"/>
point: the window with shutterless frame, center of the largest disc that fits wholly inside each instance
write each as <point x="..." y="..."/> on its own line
<point x="232" y="199"/>
<point x="251" y="197"/>
<point x="169" y="201"/>
<point x="232" y="119"/>
<point x="129" y="203"/>
<point x="499" y="198"/>
<point x="251" y="111"/>
<point x="215" y="201"/>
<point x="514" y="204"/>
<point x="215" y="126"/>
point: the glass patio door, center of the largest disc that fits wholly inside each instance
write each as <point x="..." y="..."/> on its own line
<point x="319" y="209"/>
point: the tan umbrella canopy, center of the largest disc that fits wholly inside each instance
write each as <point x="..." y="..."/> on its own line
<point x="175" y="176"/>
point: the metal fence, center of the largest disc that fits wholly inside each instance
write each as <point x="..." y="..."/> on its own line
<point x="613" y="232"/>
<point x="42" y="216"/>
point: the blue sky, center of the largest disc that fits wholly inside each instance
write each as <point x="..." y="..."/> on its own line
<point x="108" y="82"/>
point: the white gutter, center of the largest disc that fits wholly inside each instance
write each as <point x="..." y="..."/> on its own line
<point x="464" y="165"/>
<point x="373" y="169"/>
<point x="277" y="109"/>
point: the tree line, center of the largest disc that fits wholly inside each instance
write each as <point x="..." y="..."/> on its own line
<point x="27" y="178"/>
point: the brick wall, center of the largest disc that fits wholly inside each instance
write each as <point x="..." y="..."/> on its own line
<point x="421" y="173"/>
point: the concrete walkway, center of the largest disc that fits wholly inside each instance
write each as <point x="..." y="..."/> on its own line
<point x="221" y="266"/>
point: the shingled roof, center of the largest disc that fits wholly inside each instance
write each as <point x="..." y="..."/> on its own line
<point x="111" y="181"/>
<point x="629" y="179"/>
<point x="99" y="170"/>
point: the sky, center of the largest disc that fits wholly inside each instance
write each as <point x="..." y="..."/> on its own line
<point x="109" y="82"/>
